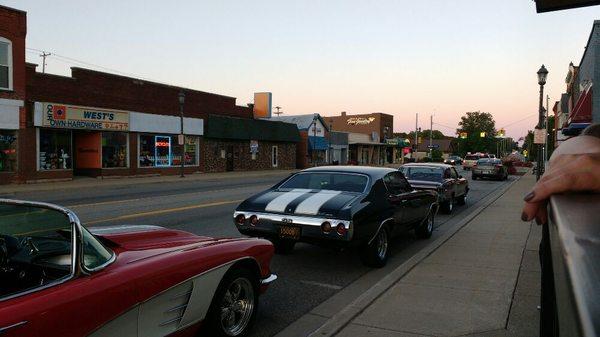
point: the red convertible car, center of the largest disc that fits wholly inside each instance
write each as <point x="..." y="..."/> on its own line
<point x="58" y="278"/>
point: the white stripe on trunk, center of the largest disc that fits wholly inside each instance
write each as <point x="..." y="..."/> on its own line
<point x="280" y="203"/>
<point x="312" y="204"/>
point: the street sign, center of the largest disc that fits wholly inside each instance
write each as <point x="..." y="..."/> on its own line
<point x="539" y="136"/>
<point x="434" y="146"/>
<point x="180" y="139"/>
<point x="253" y="146"/>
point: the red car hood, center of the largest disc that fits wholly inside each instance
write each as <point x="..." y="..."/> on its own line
<point x="133" y="238"/>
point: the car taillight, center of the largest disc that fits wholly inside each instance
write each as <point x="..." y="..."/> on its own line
<point x="240" y="219"/>
<point x="499" y="165"/>
<point x="340" y="229"/>
<point x="326" y="227"/>
<point x="253" y="220"/>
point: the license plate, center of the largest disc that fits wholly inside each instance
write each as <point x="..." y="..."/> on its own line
<point x="289" y="232"/>
<point x="486" y="172"/>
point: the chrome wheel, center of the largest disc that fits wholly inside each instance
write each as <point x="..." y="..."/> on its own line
<point x="382" y="244"/>
<point x="237" y="306"/>
<point x="430" y="224"/>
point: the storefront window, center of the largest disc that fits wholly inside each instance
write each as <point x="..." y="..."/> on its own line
<point x="114" y="149"/>
<point x="163" y="150"/>
<point x="8" y="151"/>
<point x="55" y="150"/>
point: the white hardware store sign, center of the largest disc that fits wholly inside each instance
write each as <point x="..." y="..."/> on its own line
<point x="67" y="116"/>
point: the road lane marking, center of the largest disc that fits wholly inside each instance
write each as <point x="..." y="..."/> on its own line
<point x="324" y="285"/>
<point x="164" y="211"/>
<point x="159" y="196"/>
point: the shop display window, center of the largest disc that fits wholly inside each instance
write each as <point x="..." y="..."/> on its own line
<point x="163" y="151"/>
<point x="55" y="150"/>
<point x="8" y="151"/>
<point x="114" y="149"/>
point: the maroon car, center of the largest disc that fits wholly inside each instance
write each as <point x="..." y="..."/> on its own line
<point x="58" y="278"/>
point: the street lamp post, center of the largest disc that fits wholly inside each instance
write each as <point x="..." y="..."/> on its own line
<point x="181" y="136"/>
<point x="542" y="74"/>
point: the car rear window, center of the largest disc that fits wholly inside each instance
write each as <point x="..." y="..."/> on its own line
<point x="471" y="157"/>
<point x="344" y="182"/>
<point x="426" y="173"/>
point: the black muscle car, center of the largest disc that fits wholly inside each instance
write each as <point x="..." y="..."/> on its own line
<point x="451" y="187"/>
<point x="339" y="206"/>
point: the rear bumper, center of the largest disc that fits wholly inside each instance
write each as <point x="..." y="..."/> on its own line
<point x="491" y="174"/>
<point x="269" y="225"/>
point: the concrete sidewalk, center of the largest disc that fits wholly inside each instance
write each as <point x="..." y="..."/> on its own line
<point x="87" y="182"/>
<point x="481" y="281"/>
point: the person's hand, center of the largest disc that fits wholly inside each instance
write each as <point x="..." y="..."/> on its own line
<point x="567" y="173"/>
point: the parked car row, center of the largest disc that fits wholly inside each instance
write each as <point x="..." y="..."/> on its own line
<point x="153" y="281"/>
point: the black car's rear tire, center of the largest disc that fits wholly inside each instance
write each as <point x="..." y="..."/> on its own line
<point x="231" y="315"/>
<point x="375" y="254"/>
<point x="425" y="230"/>
<point x="283" y="246"/>
<point x="474" y="177"/>
<point x="448" y="206"/>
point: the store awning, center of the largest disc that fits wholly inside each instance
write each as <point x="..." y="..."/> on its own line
<point x="574" y="129"/>
<point x="317" y="143"/>
<point x="582" y="112"/>
<point x="250" y="129"/>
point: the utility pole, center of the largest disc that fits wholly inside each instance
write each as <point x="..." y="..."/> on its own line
<point x="431" y="138"/>
<point x="44" y="55"/>
<point x="546" y="135"/>
<point x="278" y="112"/>
<point x="416" y="136"/>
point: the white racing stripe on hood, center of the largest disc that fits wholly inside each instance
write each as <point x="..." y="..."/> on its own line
<point x="280" y="203"/>
<point x="312" y="204"/>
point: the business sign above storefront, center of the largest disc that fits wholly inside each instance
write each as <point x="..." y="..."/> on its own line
<point x="360" y="120"/>
<point x="66" y="116"/>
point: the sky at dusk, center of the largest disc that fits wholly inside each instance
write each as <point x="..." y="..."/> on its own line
<point x="397" y="57"/>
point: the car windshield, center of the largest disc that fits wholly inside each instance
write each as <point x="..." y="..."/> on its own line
<point x="427" y="173"/>
<point x="36" y="247"/>
<point x="345" y="182"/>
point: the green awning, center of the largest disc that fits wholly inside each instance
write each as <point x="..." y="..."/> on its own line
<point x="250" y="129"/>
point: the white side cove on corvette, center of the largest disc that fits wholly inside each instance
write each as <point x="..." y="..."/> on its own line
<point x="280" y="203"/>
<point x="312" y="204"/>
<point x="169" y="311"/>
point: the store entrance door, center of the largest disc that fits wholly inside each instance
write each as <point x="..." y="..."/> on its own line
<point x="87" y="157"/>
<point x="229" y="159"/>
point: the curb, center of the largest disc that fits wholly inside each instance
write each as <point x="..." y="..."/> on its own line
<point x="336" y="323"/>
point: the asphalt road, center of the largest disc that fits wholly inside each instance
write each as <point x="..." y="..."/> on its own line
<point x="307" y="277"/>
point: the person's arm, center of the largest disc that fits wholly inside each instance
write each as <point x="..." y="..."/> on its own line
<point x="574" y="167"/>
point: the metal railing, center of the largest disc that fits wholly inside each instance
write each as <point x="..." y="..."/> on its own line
<point x="570" y="259"/>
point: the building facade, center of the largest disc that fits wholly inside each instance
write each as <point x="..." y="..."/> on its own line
<point x="13" y="30"/>
<point x="379" y="126"/>
<point x="99" y="124"/>
<point x="313" y="147"/>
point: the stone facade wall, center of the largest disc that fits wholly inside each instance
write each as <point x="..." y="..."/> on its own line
<point x="215" y="154"/>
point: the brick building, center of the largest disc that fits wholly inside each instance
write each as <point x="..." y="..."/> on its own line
<point x="99" y="124"/>
<point x="13" y="29"/>
<point x="368" y="135"/>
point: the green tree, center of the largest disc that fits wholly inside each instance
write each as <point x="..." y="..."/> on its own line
<point x="480" y="128"/>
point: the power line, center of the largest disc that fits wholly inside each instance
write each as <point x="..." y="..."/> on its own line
<point x="519" y="121"/>
<point x="70" y="60"/>
<point x="446" y="126"/>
